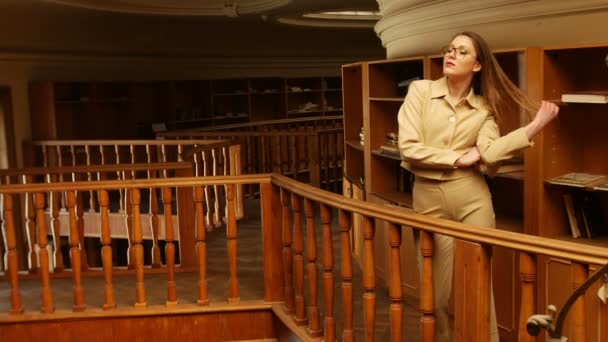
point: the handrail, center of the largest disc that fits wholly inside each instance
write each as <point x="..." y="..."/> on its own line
<point x="506" y="239"/>
<point x="517" y="241"/>
<point x="255" y="124"/>
<point x="95" y="168"/>
<point x="120" y="142"/>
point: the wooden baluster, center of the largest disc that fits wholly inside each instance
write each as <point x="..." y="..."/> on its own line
<point x="527" y="272"/>
<point x="232" y="248"/>
<point x="207" y="196"/>
<point x="314" y="326"/>
<point x="30" y="224"/>
<point x="87" y="150"/>
<point x="54" y="200"/>
<point x="328" y="275"/>
<point x="336" y="159"/>
<point x="216" y="195"/>
<point x="8" y="231"/>
<point x="106" y="250"/>
<point x="300" y="305"/>
<point x="43" y="255"/>
<point x="75" y="257"/>
<point x="169" y="248"/>
<point x="347" y="276"/>
<point x="154" y="222"/>
<point x="264" y="154"/>
<point x="277" y="166"/>
<point x="80" y="215"/>
<point x="138" y="248"/>
<point x="201" y="246"/>
<point x="248" y="157"/>
<point x="180" y="150"/>
<point x="396" y="290"/>
<point x="580" y="273"/>
<point x="163" y="153"/>
<point x="119" y="175"/>
<point x="293" y="157"/>
<point x="130" y="227"/>
<point x="287" y="252"/>
<point x="369" y="279"/>
<point x="427" y="291"/>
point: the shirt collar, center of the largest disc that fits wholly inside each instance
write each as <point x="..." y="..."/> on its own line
<point x="439" y="88"/>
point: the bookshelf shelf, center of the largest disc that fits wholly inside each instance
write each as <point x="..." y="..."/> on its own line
<point x="402" y="199"/>
<point x="355" y="145"/>
<point x="384" y="154"/>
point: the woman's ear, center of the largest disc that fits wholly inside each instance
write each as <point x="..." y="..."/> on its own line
<point x="477" y="66"/>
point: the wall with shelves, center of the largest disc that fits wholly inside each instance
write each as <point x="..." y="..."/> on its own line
<point x="522" y="201"/>
<point x="127" y="109"/>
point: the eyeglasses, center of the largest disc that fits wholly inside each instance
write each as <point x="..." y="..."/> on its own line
<point x="461" y="51"/>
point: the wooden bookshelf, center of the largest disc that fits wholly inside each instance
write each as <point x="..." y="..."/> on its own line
<point x="127" y="109"/>
<point x="522" y="202"/>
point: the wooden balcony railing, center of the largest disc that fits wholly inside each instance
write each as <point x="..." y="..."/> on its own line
<point x="294" y="255"/>
<point x="309" y="155"/>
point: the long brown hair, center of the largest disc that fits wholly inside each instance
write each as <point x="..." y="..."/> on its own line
<point x="493" y="84"/>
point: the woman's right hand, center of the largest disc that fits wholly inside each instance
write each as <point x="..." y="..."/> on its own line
<point x="547" y="112"/>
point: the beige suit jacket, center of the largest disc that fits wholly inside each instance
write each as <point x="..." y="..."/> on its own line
<point x="433" y="134"/>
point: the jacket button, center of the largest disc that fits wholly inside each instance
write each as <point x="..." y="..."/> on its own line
<point x="452" y="118"/>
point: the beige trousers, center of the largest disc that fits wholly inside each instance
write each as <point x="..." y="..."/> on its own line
<point x="466" y="200"/>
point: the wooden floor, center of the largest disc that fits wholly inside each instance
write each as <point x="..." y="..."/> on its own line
<point x="250" y="280"/>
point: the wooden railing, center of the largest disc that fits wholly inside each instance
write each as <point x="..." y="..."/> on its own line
<point x="317" y="122"/>
<point x="89" y="208"/>
<point x="311" y="156"/>
<point x="292" y="256"/>
<point x="216" y="157"/>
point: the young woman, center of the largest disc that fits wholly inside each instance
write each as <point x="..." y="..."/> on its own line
<point x="446" y="128"/>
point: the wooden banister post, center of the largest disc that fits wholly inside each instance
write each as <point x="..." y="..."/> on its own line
<point x="369" y="279"/>
<point x="298" y="260"/>
<point x="427" y="290"/>
<point x="347" y="275"/>
<point x="527" y="271"/>
<point x="271" y="233"/>
<point x="328" y="276"/>
<point x="396" y="290"/>
<point x="314" y="325"/>
<point x="169" y="248"/>
<point x="186" y="217"/>
<point x="580" y="273"/>
<point x="313" y="159"/>
<point x="138" y="249"/>
<point x="8" y="229"/>
<point x="43" y="255"/>
<point x="472" y="294"/>
<point x="75" y="254"/>
<point x="287" y="252"/>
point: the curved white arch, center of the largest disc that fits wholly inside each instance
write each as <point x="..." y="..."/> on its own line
<point x="413" y="27"/>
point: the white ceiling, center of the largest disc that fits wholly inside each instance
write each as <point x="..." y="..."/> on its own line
<point x="230" y="8"/>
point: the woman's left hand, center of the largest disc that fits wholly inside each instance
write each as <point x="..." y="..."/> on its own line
<point x="469" y="159"/>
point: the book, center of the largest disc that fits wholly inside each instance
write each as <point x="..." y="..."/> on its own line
<point x="600" y="96"/>
<point x="601" y="187"/>
<point x="571" y="213"/>
<point x="588" y="213"/>
<point x="579" y="179"/>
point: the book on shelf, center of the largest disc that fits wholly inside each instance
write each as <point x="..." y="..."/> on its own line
<point x="601" y="187"/>
<point x="586" y="213"/>
<point x="579" y="179"/>
<point x="571" y="213"/>
<point x="389" y="149"/>
<point x="598" y="96"/>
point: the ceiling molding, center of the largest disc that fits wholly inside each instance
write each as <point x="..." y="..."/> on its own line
<point x="230" y="8"/>
<point x="409" y="21"/>
<point x="302" y="21"/>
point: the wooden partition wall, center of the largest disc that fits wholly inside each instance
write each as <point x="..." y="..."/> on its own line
<point x="295" y="253"/>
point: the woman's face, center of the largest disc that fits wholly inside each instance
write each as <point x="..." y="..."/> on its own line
<point x="460" y="58"/>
